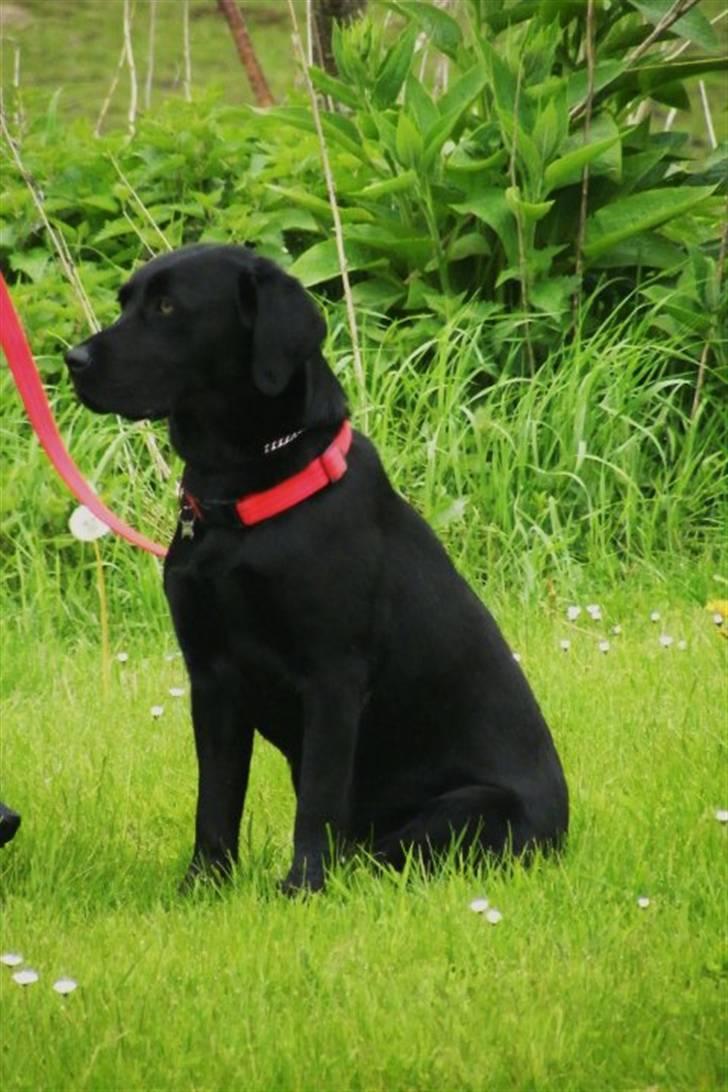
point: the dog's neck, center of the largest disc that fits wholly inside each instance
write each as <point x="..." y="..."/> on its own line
<point x="235" y="441"/>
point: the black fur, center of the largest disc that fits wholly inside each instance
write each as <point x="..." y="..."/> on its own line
<point x="339" y="629"/>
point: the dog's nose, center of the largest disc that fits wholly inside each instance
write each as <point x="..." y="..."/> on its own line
<point x="78" y="358"/>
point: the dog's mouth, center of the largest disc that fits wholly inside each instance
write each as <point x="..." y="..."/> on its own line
<point x="130" y="414"/>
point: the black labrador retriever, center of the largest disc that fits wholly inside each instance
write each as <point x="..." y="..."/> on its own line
<point x="310" y="601"/>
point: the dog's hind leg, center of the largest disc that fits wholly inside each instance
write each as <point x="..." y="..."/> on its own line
<point x="481" y="817"/>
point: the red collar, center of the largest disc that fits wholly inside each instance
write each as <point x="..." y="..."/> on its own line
<point x="320" y="472"/>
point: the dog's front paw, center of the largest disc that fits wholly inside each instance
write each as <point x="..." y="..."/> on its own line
<point x="203" y="873"/>
<point x="304" y="878"/>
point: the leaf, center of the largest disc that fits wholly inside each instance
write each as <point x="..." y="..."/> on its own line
<point x="336" y="89"/>
<point x="442" y="30"/>
<point x="647" y="249"/>
<point x="641" y="211"/>
<point x="553" y="295"/>
<point x="398" y="184"/>
<point x="492" y="208"/>
<point x="321" y="262"/>
<point x="419" y="105"/>
<point x="394" y="69"/>
<point x="530" y="210"/>
<point x="467" y="246"/>
<point x="408" y="143"/>
<point x="459" y="97"/>
<point x="376" y="294"/>
<point x="567" y="169"/>
<point x="318" y="206"/>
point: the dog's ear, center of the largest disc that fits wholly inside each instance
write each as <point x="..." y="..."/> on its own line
<point x="287" y="327"/>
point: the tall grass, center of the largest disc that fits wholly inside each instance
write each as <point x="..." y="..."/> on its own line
<point x="594" y="463"/>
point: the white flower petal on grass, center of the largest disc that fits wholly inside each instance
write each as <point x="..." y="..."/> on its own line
<point x="643" y="902"/>
<point x="594" y="611"/>
<point x="479" y="906"/>
<point x="655" y="616"/>
<point x="517" y="657"/>
<point x="565" y="644"/>
<point x="177" y="691"/>
<point x="122" y="657"/>
<point x="572" y="613"/>
<point x="666" y="640"/>
<point x="721" y="814"/>
<point x="616" y="630"/>
<point x="604" y="646"/>
<point x="493" y="916"/>
<point x="26" y="977"/>
<point x="156" y="711"/>
<point x="718" y="618"/>
<point x="85" y="526"/>
<point x="11" y="959"/>
<point x="64" y="985"/>
<point x="682" y="645"/>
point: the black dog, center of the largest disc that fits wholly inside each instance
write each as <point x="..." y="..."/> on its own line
<point x="323" y="612"/>
<point x="9" y="823"/>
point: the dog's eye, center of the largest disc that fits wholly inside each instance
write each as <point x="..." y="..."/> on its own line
<point x="165" y="305"/>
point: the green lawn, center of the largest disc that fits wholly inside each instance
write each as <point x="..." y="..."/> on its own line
<point x="381" y="983"/>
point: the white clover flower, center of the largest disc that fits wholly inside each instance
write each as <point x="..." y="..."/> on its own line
<point x="718" y="618"/>
<point x="493" y="916"/>
<point x="655" y="616"/>
<point x="156" y="711"/>
<point x="594" y="611"/>
<point x="604" y="646"/>
<point x="85" y="526"/>
<point x="616" y="630"/>
<point x="643" y="902"/>
<point x="11" y="959"/>
<point x="665" y="640"/>
<point x="26" y="977"/>
<point x="177" y="691"/>
<point x="565" y="644"/>
<point x="479" y="906"/>
<point x="64" y="985"/>
<point x="721" y="814"/>
<point x="572" y="613"/>
<point x="122" y="657"/>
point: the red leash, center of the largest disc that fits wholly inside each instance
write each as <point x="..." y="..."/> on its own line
<point x="30" y="388"/>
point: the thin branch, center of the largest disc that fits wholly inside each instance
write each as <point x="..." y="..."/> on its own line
<point x="56" y="238"/>
<point x="129" y="52"/>
<point x="708" y="116"/>
<point x="338" y="233"/>
<point x="187" y="50"/>
<point x="590" y="68"/>
<point x="140" y="204"/>
<point x="112" y="90"/>
<point x="702" y="364"/>
<point x="678" y="9"/>
<point x="150" y="54"/>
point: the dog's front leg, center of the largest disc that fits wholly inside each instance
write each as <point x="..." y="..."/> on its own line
<point x="224" y="743"/>
<point x="332" y="709"/>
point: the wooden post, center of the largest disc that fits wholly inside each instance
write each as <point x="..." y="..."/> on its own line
<point x="244" y="45"/>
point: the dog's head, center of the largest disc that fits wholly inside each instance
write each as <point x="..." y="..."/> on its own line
<point x="200" y="317"/>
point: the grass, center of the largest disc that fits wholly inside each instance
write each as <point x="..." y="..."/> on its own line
<point x="384" y="982"/>
<point x="64" y="45"/>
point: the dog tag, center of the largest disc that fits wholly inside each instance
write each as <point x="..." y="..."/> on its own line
<point x="187" y="528"/>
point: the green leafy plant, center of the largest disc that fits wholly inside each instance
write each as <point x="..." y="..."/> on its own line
<point x="476" y="188"/>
